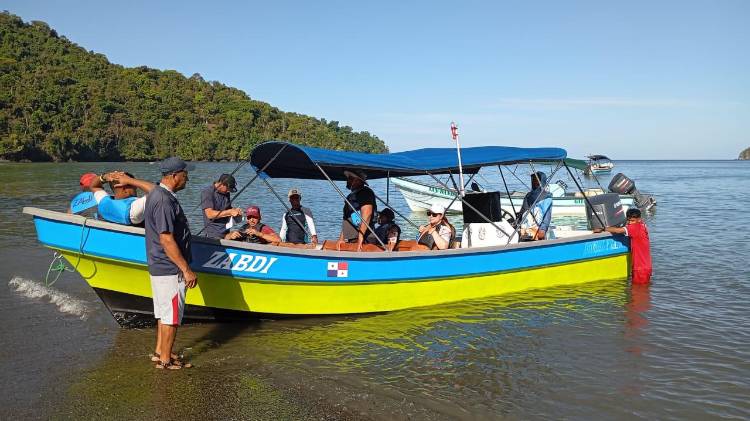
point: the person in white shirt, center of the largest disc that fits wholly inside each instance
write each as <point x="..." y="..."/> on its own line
<point x="297" y="222"/>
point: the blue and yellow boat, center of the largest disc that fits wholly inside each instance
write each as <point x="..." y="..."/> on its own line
<point x="240" y="280"/>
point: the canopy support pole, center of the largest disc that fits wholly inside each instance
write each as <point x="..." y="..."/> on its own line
<point x="586" y="198"/>
<point x="369" y="228"/>
<point x="388" y="188"/>
<point x="396" y="212"/>
<point x="471" y="207"/>
<point x="531" y="207"/>
<point x="515" y="213"/>
<point x="257" y="174"/>
<point x="288" y="209"/>
<point x="456" y="197"/>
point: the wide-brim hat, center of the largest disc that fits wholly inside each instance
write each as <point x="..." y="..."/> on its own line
<point x="356" y="173"/>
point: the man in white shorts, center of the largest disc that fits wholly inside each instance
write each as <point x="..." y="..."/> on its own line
<point x="169" y="256"/>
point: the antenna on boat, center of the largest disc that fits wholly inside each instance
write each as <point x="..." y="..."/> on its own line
<point x="454" y="135"/>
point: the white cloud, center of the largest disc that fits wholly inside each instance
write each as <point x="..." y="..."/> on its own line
<point x="558" y="103"/>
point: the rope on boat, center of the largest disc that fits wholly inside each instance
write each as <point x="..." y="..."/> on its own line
<point x="58" y="265"/>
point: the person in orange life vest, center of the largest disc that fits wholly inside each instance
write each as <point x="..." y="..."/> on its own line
<point x="639" y="245"/>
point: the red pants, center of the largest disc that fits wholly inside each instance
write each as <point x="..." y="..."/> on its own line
<point x="641" y="276"/>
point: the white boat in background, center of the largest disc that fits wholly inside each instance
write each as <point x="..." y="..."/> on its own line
<point x="598" y="164"/>
<point x="420" y="197"/>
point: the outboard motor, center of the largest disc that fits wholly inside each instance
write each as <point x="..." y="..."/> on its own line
<point x="606" y="208"/>
<point x="621" y="184"/>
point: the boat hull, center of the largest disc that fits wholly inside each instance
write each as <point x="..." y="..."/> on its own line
<point x="242" y="281"/>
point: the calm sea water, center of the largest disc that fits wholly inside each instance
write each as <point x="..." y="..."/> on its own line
<point x="678" y="349"/>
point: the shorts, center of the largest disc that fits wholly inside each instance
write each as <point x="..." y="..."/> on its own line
<point x="168" y="292"/>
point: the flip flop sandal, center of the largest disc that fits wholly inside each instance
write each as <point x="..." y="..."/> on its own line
<point x="181" y="363"/>
<point x="155" y="357"/>
<point x="161" y="365"/>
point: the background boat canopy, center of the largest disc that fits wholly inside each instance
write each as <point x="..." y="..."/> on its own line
<point x="295" y="161"/>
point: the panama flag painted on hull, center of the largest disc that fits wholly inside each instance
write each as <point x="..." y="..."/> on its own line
<point x="338" y="269"/>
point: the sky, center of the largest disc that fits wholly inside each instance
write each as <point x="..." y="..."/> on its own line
<point x="631" y="80"/>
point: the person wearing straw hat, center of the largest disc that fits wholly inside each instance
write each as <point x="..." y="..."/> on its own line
<point x="355" y="223"/>
<point x="298" y="221"/>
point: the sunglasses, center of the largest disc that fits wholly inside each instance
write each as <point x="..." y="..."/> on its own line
<point x="433" y="214"/>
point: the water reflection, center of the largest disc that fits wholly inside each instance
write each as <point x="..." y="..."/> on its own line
<point x="484" y="355"/>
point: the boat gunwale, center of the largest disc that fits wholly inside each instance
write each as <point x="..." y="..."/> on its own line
<point x="95" y="223"/>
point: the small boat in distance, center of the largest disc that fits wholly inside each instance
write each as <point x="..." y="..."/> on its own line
<point x="598" y="164"/>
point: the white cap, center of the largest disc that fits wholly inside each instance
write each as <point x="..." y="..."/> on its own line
<point x="435" y="208"/>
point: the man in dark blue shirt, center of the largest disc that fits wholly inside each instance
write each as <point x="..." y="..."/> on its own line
<point x="169" y="256"/>
<point x="217" y="206"/>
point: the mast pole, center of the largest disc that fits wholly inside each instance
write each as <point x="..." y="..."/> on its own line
<point x="454" y="135"/>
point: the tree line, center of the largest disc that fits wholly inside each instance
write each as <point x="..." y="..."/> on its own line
<point x="59" y="102"/>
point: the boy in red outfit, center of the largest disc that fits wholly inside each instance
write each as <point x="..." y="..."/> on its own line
<point x="639" y="245"/>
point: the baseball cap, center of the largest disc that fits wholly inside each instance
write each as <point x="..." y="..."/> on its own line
<point x="229" y="181"/>
<point x="435" y="208"/>
<point x="174" y="164"/>
<point x="294" y="192"/>
<point x="86" y="179"/>
<point x="253" y="211"/>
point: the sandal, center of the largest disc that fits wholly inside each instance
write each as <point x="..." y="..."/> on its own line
<point x="161" y="365"/>
<point x="155" y="357"/>
<point x="181" y="364"/>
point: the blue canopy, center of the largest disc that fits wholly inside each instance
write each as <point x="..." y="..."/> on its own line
<point x="295" y="161"/>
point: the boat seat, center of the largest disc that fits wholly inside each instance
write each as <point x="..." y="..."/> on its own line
<point x="299" y="246"/>
<point x="331" y="245"/>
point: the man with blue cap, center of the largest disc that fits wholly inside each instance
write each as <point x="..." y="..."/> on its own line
<point x="169" y="256"/>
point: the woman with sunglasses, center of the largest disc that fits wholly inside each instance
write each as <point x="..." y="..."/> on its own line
<point x="438" y="234"/>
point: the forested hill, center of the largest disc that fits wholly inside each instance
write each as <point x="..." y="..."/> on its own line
<point x="60" y="102"/>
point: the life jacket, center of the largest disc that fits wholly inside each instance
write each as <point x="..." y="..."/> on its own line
<point x="296" y="227"/>
<point x="428" y="241"/>
<point x="355" y="217"/>
<point x="254" y="238"/>
<point x="382" y="233"/>
<point x="116" y="210"/>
